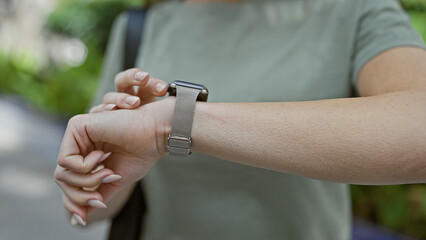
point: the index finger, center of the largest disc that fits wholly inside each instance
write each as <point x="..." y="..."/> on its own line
<point x="124" y="81"/>
<point x="78" y="164"/>
<point x="73" y="148"/>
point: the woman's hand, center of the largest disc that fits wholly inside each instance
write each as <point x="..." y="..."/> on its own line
<point x="79" y="189"/>
<point x="136" y="139"/>
<point x="134" y="88"/>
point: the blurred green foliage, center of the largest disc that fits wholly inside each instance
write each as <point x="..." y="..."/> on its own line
<point x="67" y="90"/>
<point x="63" y="89"/>
<point x="88" y="21"/>
<point x="399" y="207"/>
<point x="418" y="20"/>
<point x="414" y="5"/>
<point x="58" y="89"/>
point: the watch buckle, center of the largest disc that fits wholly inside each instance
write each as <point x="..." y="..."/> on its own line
<point x="179" y="145"/>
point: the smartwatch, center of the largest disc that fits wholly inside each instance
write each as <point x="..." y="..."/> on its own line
<point x="187" y="94"/>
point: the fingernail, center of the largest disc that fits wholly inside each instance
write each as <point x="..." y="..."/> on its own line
<point x="106" y="155"/>
<point x="159" y="87"/>
<point x="98" y="168"/>
<point x="78" y="219"/>
<point x="139" y="76"/>
<point x="96" y="204"/>
<point x="110" y="107"/>
<point x="90" y="189"/>
<point x="73" y="221"/>
<point x="131" y="100"/>
<point x="111" y="178"/>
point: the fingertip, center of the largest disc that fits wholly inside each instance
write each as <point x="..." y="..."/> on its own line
<point x="96" y="153"/>
<point x="75" y="218"/>
<point x="104" y="157"/>
<point x="78" y="213"/>
<point x="96" y="203"/>
<point x="97" y="168"/>
<point x="141" y="78"/>
<point x="91" y="160"/>
<point x="110" y="107"/>
<point x="111" y="178"/>
<point x="132" y="101"/>
<point x="69" y="162"/>
<point x="160" y="88"/>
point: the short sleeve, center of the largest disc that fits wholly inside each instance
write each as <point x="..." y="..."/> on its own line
<point x="113" y="60"/>
<point x="382" y="25"/>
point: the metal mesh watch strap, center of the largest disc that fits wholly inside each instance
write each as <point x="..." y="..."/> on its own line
<point x="179" y="141"/>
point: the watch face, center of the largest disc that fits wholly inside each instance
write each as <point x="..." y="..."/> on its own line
<point x="202" y="96"/>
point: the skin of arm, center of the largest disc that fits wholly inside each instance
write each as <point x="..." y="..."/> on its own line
<point x="379" y="138"/>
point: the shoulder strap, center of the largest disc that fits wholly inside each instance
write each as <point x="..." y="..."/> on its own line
<point x="127" y="224"/>
<point x="134" y="33"/>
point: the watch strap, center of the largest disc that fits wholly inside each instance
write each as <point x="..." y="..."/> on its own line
<point x="179" y="141"/>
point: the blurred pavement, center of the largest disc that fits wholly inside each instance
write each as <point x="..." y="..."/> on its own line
<point x="30" y="201"/>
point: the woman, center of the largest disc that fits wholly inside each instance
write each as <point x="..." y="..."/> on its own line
<point x="281" y="76"/>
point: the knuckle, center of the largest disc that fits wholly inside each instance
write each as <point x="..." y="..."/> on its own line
<point x="87" y="168"/>
<point x="122" y="99"/>
<point x="82" y="199"/>
<point x="91" y="182"/>
<point x="75" y="119"/>
<point x="58" y="176"/>
<point x="107" y="96"/>
<point x="79" y="199"/>
<point x="57" y="181"/>
<point x="131" y="72"/>
<point x="96" y="108"/>
<point x="118" y="77"/>
<point x="96" y="178"/>
<point x="62" y="162"/>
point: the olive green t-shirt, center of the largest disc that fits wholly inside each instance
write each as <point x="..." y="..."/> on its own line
<point x="255" y="51"/>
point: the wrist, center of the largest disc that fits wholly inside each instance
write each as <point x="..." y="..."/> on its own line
<point x="163" y="112"/>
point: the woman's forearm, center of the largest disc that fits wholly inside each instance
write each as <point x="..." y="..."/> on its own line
<point x="367" y="140"/>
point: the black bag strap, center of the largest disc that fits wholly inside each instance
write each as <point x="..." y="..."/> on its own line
<point x="127" y="224"/>
<point x="133" y="36"/>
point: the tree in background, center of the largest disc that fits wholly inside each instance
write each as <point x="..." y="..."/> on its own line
<point x="62" y="87"/>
